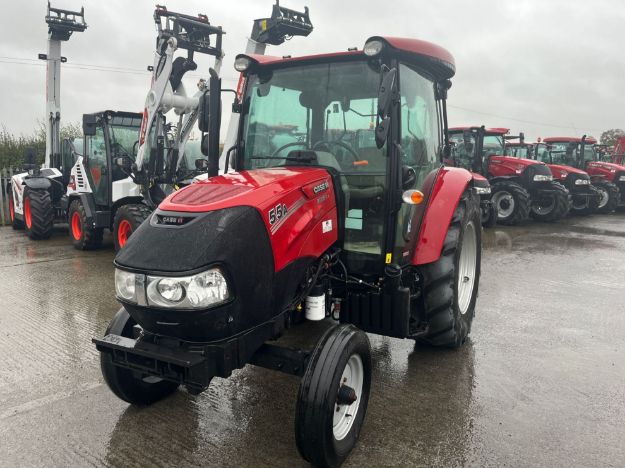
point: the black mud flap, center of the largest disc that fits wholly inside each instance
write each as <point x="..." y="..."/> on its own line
<point x="379" y="312"/>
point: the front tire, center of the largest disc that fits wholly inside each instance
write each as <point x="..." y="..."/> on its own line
<point x="556" y="207"/>
<point x="451" y="283"/>
<point x="592" y="205"/>
<point x="512" y="202"/>
<point x="84" y="237"/>
<point x="609" y="197"/>
<point x="38" y="214"/>
<point x="333" y="396"/>
<point x="127" y="219"/>
<point x="123" y="382"/>
<point x="16" y="223"/>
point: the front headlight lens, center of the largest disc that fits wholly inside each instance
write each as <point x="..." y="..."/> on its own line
<point x="582" y="182"/>
<point x="373" y="48"/>
<point x="621" y="178"/>
<point x="543" y="178"/>
<point x="482" y="190"/>
<point x="189" y="292"/>
<point x="125" y="285"/>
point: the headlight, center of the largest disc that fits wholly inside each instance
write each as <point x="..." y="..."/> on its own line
<point x="543" y="178"/>
<point x="563" y="174"/>
<point x="582" y="182"/>
<point x="189" y="292"/>
<point x="241" y="64"/>
<point x="373" y="48"/>
<point x="125" y="285"/>
<point x="482" y="190"/>
<point x="621" y="178"/>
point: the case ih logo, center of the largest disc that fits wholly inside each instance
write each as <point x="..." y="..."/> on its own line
<point x="173" y="220"/>
<point x="321" y="187"/>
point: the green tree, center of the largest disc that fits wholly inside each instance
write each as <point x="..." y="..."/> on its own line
<point x="609" y="137"/>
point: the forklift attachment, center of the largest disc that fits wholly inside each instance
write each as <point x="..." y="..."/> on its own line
<point x="283" y="24"/>
<point x="62" y="23"/>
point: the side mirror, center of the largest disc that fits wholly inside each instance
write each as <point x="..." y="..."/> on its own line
<point x="124" y="162"/>
<point x="89" y="124"/>
<point x="203" y="118"/>
<point x="201" y="164"/>
<point x="408" y="177"/>
<point x="387" y="92"/>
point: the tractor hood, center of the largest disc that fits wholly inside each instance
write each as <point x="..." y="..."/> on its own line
<point x="506" y="166"/>
<point x="608" y="166"/>
<point x="560" y="171"/>
<point x="479" y="180"/>
<point x="515" y="163"/>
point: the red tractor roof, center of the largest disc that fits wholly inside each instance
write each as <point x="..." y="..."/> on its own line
<point x="589" y="140"/>
<point x="436" y="59"/>
<point x="496" y="131"/>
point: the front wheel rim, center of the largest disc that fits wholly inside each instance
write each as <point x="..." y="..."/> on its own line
<point x="467" y="266"/>
<point x="123" y="232"/>
<point x="605" y="196"/>
<point x="344" y="415"/>
<point x="504" y="201"/>
<point x="76" y="226"/>
<point x="540" y="208"/>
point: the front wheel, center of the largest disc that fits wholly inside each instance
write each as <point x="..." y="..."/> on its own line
<point x="38" y="214"/>
<point x="552" y="206"/>
<point x="512" y="202"/>
<point x="127" y="219"/>
<point x="333" y="396"/>
<point x="451" y="283"/>
<point x="84" y="236"/>
<point x="124" y="383"/>
<point x="591" y="204"/>
<point x="609" y="197"/>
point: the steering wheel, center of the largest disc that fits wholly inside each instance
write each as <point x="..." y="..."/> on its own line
<point x="288" y="145"/>
<point x="338" y="143"/>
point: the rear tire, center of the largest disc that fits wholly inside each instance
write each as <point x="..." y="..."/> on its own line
<point x="512" y="202"/>
<point x="127" y="219"/>
<point x="38" y="214"/>
<point x="329" y="416"/>
<point x="609" y="197"/>
<point x="451" y="283"/>
<point x="593" y="203"/>
<point x="16" y="223"/>
<point x="123" y="382"/>
<point x="84" y="237"/>
<point x="558" y="207"/>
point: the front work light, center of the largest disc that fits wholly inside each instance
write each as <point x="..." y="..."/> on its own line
<point x="241" y="64"/>
<point x="373" y="48"/>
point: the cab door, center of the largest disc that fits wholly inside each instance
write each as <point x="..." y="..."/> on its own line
<point x="96" y="163"/>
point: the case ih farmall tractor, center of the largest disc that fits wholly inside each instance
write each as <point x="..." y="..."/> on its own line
<point x="607" y="177"/>
<point x="319" y="215"/>
<point x="585" y="197"/>
<point x="520" y="187"/>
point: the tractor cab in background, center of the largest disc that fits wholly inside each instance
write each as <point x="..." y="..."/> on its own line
<point x="519" y="149"/>
<point x="607" y="177"/>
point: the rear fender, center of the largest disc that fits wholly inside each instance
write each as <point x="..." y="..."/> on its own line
<point x="448" y="187"/>
<point x="516" y="179"/>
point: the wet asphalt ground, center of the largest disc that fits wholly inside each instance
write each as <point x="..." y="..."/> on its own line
<point x="540" y="383"/>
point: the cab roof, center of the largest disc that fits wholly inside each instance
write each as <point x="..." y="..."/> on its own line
<point x="432" y="57"/>
<point x="495" y="130"/>
<point x="589" y="140"/>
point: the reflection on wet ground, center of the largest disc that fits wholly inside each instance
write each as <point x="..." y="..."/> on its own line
<point x="541" y="381"/>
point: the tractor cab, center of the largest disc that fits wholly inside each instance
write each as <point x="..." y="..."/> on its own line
<point x="519" y="149"/>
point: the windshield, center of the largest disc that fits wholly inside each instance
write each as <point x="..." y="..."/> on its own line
<point x="123" y="139"/>
<point x="518" y="151"/>
<point x="589" y="153"/>
<point x="542" y="153"/>
<point x="564" y="153"/>
<point x="462" y="149"/>
<point x="493" y="146"/>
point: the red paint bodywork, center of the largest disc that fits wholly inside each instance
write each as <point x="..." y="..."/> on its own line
<point x="494" y="130"/>
<point x="297" y="234"/>
<point x="603" y="170"/>
<point x="589" y="140"/>
<point x="508" y="165"/>
<point x="450" y="183"/>
<point x="560" y="171"/>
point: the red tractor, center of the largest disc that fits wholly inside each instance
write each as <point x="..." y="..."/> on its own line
<point x="329" y="218"/>
<point x="520" y="187"/>
<point x="585" y="197"/>
<point x="607" y="177"/>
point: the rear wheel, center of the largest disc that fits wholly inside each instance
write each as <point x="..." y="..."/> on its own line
<point x="127" y="219"/>
<point x="16" y="223"/>
<point x="124" y="383"/>
<point x="551" y="207"/>
<point x="38" y="214"/>
<point x="451" y="283"/>
<point x="591" y="205"/>
<point x="84" y="236"/>
<point x="512" y="202"/>
<point x="609" y="197"/>
<point x="333" y="396"/>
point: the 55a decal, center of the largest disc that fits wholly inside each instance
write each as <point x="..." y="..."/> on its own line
<point x="277" y="213"/>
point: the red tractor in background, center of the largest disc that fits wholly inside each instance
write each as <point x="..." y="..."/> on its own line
<point x="520" y="187"/>
<point x="617" y="153"/>
<point x="607" y="177"/>
<point x="585" y="197"/>
<point x="362" y="225"/>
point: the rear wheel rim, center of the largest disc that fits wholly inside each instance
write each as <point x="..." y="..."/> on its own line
<point x="123" y="232"/>
<point x="76" y="226"/>
<point x="28" y="216"/>
<point x="605" y="196"/>
<point x="344" y="414"/>
<point x="504" y="201"/>
<point x="467" y="267"/>
<point x="11" y="209"/>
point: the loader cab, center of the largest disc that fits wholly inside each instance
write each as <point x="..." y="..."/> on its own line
<point x="109" y="150"/>
<point x="371" y="119"/>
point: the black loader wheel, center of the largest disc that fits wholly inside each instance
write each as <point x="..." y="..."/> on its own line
<point x="124" y="383"/>
<point x="451" y="283"/>
<point x="512" y="202"/>
<point x="552" y="207"/>
<point x="609" y="197"/>
<point x="84" y="236"/>
<point x="333" y="396"/>
<point x="127" y="219"/>
<point x="489" y="213"/>
<point x="16" y="223"/>
<point x="38" y="214"/>
<point x="592" y="205"/>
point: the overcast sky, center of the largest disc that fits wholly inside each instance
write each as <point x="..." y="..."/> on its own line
<point x="546" y="67"/>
